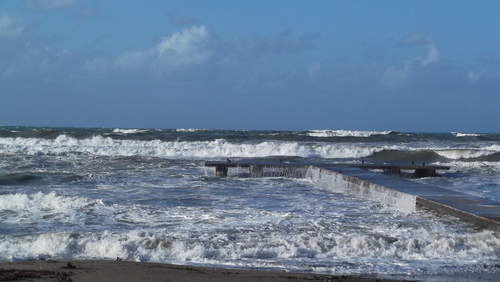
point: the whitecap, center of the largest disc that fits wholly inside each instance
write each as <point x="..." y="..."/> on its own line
<point x="460" y="134"/>
<point x="457" y="154"/>
<point x="219" y="148"/>
<point x="129" y="131"/>
<point x="345" y="133"/>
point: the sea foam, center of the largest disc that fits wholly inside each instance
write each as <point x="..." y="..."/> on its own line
<point x="129" y="131"/>
<point x="456" y="154"/>
<point x="272" y="249"/>
<point x="219" y="148"/>
<point x="460" y="134"/>
<point x="345" y="133"/>
<point x="42" y="202"/>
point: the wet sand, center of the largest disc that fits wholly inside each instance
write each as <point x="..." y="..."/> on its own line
<point x="103" y="270"/>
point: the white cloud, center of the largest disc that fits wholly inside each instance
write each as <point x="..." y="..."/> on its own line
<point x="198" y="46"/>
<point x="475" y="76"/>
<point x="190" y="46"/>
<point x="132" y="60"/>
<point x="49" y="5"/>
<point x="421" y="39"/>
<point x="432" y="56"/>
<point x="396" y="76"/>
<point x="10" y="27"/>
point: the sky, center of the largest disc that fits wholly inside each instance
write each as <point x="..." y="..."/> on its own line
<point x="426" y="66"/>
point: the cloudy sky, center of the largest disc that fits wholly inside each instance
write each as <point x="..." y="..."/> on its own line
<point x="431" y="66"/>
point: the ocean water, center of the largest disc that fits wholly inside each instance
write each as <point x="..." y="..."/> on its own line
<point x="145" y="195"/>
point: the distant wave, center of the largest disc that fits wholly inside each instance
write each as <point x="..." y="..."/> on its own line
<point x="345" y="133"/>
<point x="400" y="153"/>
<point x="219" y="148"/>
<point x="457" y="154"/>
<point x="190" y="130"/>
<point x="459" y="134"/>
<point x="223" y="148"/>
<point x="40" y="202"/>
<point x="129" y="131"/>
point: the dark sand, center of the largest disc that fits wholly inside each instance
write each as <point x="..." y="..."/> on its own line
<point x="103" y="270"/>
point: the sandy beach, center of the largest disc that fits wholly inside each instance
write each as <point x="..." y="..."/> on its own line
<point x="102" y="270"/>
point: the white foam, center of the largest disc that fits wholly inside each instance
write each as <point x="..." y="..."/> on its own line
<point x="40" y="201"/>
<point x="486" y="166"/>
<point x="366" y="253"/>
<point x="457" y="154"/>
<point x="99" y="145"/>
<point x="482" y="178"/>
<point x="459" y="134"/>
<point x="345" y="133"/>
<point x="129" y="131"/>
<point x="221" y="148"/>
<point x="41" y="210"/>
<point x="190" y="130"/>
<point x="321" y="232"/>
<point x="336" y="182"/>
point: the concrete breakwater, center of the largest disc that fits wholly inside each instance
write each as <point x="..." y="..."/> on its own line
<point x="338" y="181"/>
<point x="401" y="193"/>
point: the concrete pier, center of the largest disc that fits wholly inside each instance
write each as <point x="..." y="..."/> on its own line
<point x="394" y="190"/>
<point x="403" y="193"/>
<point x="261" y="169"/>
<point x="221" y="168"/>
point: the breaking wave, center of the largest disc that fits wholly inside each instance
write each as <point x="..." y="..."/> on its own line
<point x="218" y="148"/>
<point x="322" y="251"/>
<point x="345" y="133"/>
<point x="129" y="131"/>
<point x="39" y="202"/>
<point x="222" y="148"/>
<point x="190" y="130"/>
<point x="457" y="154"/>
<point x="460" y="134"/>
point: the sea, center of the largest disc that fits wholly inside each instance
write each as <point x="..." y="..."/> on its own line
<point x="145" y="195"/>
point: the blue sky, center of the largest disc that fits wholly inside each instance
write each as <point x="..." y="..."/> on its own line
<point x="430" y="66"/>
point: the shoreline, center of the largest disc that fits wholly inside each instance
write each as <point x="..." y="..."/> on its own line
<point x="107" y="270"/>
<point x="124" y="271"/>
